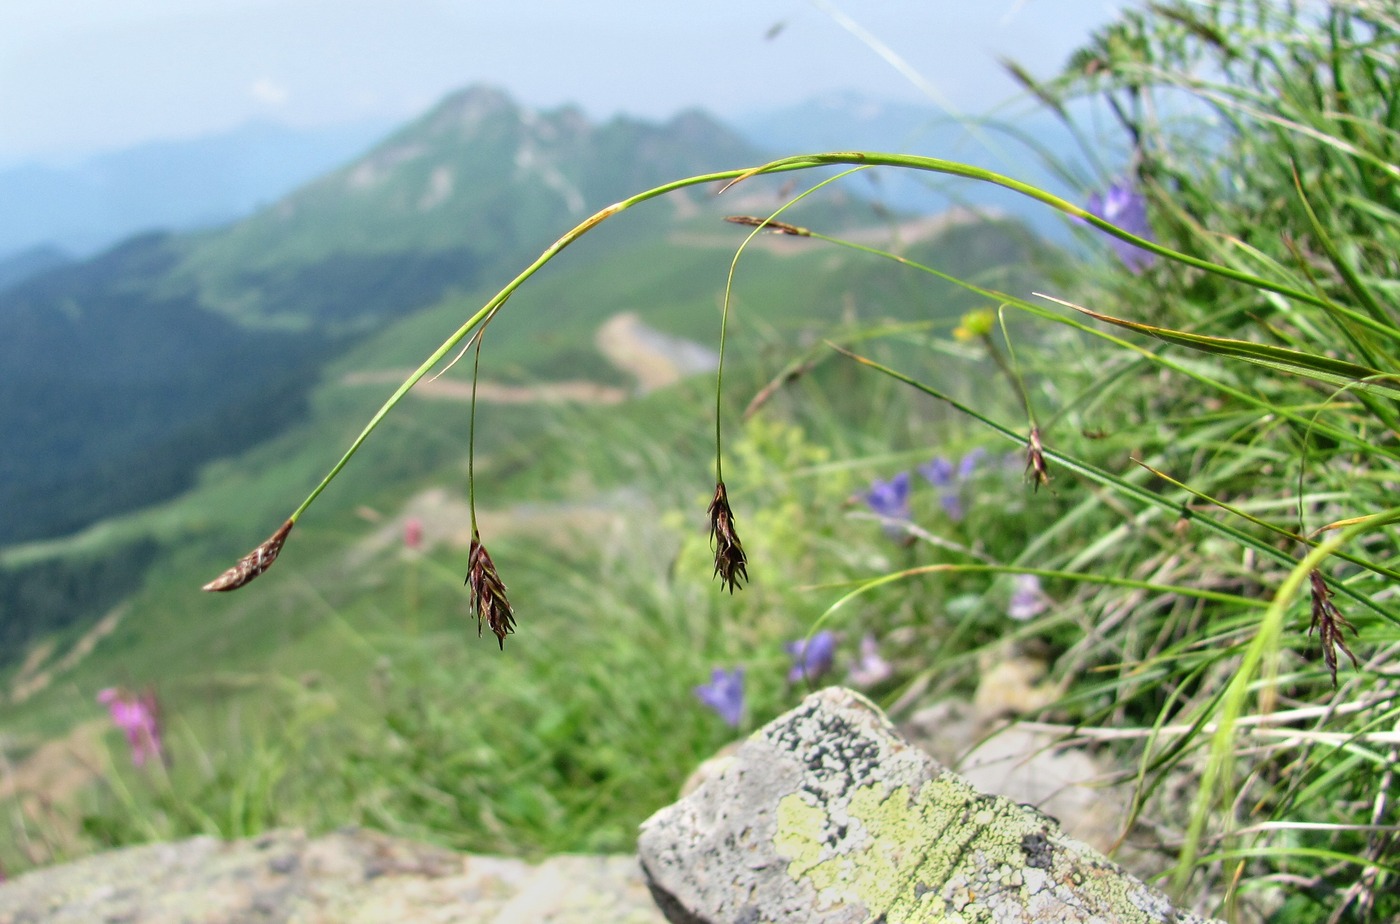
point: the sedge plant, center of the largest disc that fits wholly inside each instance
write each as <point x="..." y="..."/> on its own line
<point x="1210" y="430"/>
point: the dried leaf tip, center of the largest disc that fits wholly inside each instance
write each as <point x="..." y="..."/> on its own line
<point x="730" y="561"/>
<point x="1036" y="470"/>
<point x="488" y="594"/>
<point x="254" y="563"/>
<point x="1329" y="623"/>
<point x="768" y="224"/>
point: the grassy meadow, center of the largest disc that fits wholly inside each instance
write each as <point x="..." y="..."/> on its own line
<point x="1191" y="444"/>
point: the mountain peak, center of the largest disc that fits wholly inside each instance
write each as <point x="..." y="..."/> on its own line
<point x="463" y="112"/>
<point x="477" y="179"/>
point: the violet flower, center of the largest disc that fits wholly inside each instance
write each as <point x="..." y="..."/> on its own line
<point x="967" y="465"/>
<point x="890" y="500"/>
<point x="811" y="658"/>
<point x="869" y="669"/>
<point x="139" y="719"/>
<point x="725" y="694"/>
<point x="938" y="472"/>
<point x="1123" y="206"/>
<point x="1027" y="599"/>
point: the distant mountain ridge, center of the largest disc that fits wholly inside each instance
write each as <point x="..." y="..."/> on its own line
<point x="30" y="262"/>
<point x="167" y="185"/>
<point x="475" y="181"/>
<point x="121" y="374"/>
<point x="205" y="182"/>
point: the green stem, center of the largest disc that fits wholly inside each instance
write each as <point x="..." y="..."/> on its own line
<point x="954" y="168"/>
<point x="801" y="162"/>
<point x="1127" y="488"/>
<point x="495" y="303"/>
<point x="471" y="428"/>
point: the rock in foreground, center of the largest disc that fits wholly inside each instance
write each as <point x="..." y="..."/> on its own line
<point x="827" y="815"/>
<point x="349" y="877"/>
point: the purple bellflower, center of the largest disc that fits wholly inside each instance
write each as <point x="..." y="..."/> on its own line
<point x="1123" y="206"/>
<point x="938" y="472"/>
<point x="890" y="499"/>
<point x="811" y="658"/>
<point x="967" y="465"/>
<point x="941" y="473"/>
<point x="725" y="694"/>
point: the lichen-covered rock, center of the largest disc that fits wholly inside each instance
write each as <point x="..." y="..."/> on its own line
<point x="349" y="877"/>
<point x="827" y="815"/>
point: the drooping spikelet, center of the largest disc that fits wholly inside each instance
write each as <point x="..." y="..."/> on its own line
<point x="768" y="224"/>
<point x="730" y="562"/>
<point x="1329" y="623"/>
<point x="252" y="564"/>
<point x="488" y="594"/>
<point x="1036" y="470"/>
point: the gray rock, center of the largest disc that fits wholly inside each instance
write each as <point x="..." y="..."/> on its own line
<point x="827" y="815"/>
<point x="344" y="878"/>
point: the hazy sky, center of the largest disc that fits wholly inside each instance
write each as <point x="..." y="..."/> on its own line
<point x="78" y="75"/>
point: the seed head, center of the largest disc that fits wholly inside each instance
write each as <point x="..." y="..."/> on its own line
<point x="730" y="561"/>
<point x="1036" y="470"/>
<point x="1329" y="623"/>
<point x="768" y="224"/>
<point x="252" y="564"/>
<point x="488" y="594"/>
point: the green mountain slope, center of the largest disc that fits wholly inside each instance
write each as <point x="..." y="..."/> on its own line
<point x="120" y="375"/>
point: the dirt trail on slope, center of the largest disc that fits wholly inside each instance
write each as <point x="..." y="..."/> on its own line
<point x="654" y="359"/>
<point x="579" y="391"/>
<point x="33" y="676"/>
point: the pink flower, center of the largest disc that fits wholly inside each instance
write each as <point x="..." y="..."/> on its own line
<point x="413" y="533"/>
<point x="139" y="719"/>
<point x="870" y="669"/>
<point x="1027" y="599"/>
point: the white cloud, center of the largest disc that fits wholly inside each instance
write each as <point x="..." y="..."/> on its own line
<point x="268" y="91"/>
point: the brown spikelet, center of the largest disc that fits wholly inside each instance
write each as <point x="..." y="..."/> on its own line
<point x="488" y="594"/>
<point x="730" y="561"/>
<point x="1329" y="623"/>
<point x="252" y="564"/>
<point x="1036" y="470"/>
<point x="767" y="224"/>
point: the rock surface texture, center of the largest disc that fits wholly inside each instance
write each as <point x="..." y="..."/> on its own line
<point x="351" y="877"/>
<point x="827" y="815"/>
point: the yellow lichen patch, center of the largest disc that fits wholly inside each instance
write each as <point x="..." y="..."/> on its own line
<point x="949" y="854"/>
<point x="886" y="852"/>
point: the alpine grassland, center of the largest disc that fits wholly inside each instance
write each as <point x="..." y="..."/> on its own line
<point x="1161" y="461"/>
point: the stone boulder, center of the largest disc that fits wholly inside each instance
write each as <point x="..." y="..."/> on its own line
<point x="827" y="815"/>
<point x="350" y="877"/>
